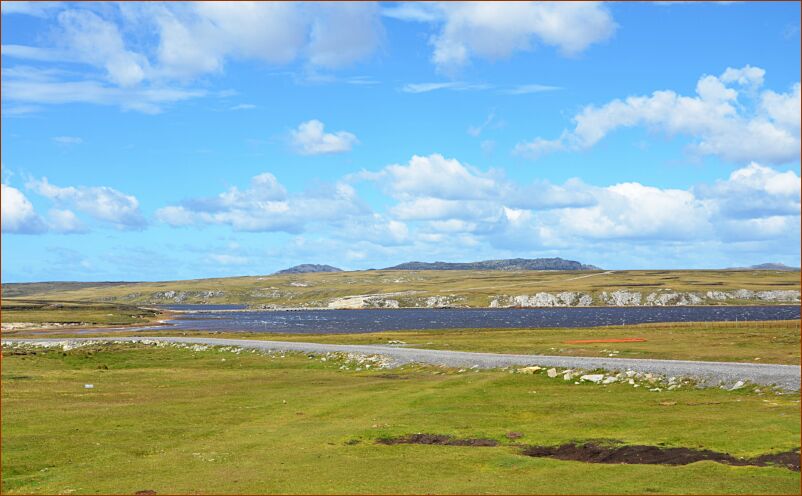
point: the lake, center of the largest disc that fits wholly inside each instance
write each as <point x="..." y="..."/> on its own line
<point x="210" y="318"/>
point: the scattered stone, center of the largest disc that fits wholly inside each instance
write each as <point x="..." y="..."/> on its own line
<point x="551" y="373"/>
<point x="594" y="378"/>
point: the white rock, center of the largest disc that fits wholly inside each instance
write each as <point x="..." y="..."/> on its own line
<point x="551" y="373"/>
<point x="594" y="378"/>
<point x="610" y="380"/>
<point x="737" y="385"/>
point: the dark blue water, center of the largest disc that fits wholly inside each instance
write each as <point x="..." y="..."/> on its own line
<point x="202" y="307"/>
<point x="360" y="321"/>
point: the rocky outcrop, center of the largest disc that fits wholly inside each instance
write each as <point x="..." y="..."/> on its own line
<point x="183" y="296"/>
<point x="621" y="298"/>
<point x="309" y="268"/>
<point x="563" y="299"/>
<point x="673" y="299"/>
<point x="364" y="301"/>
<point x="776" y="296"/>
<point x="624" y="298"/>
<point x="506" y="264"/>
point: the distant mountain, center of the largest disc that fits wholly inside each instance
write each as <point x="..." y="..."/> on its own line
<point x="767" y="266"/>
<point x="508" y="264"/>
<point x="307" y="268"/>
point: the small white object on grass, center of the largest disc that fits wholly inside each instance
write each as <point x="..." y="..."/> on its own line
<point x="89" y="386"/>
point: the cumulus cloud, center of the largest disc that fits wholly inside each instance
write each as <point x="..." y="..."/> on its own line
<point x="444" y="201"/>
<point x="310" y="138"/>
<point x="265" y="206"/>
<point x="100" y="202"/>
<point x="755" y="191"/>
<point x="65" y="222"/>
<point x="18" y="214"/>
<point x="499" y="29"/>
<point x="764" y="127"/>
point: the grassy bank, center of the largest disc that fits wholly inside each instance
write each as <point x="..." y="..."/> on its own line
<point x="410" y="288"/>
<point x="177" y="421"/>
<point x="66" y="312"/>
<point x="756" y="342"/>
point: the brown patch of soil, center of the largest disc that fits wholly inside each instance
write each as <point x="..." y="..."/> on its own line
<point x="513" y="435"/>
<point x="437" y="439"/>
<point x="653" y="455"/>
<point x="611" y="340"/>
<point x="390" y="376"/>
<point x="145" y="492"/>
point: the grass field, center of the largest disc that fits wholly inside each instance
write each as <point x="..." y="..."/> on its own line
<point x="409" y="288"/>
<point x="179" y="421"/>
<point x="756" y="342"/>
<point x="34" y="311"/>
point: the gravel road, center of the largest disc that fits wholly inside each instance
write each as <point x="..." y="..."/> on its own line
<point x="712" y="373"/>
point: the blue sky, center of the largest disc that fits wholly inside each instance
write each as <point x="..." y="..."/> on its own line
<point x="168" y="141"/>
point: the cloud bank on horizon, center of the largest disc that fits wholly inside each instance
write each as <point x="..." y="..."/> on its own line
<point x="177" y="140"/>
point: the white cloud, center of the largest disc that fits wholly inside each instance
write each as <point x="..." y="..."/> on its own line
<point x="102" y="203"/>
<point x="443" y="201"/>
<point x="443" y="85"/>
<point x="265" y="206"/>
<point x="499" y="29"/>
<point x="243" y="106"/>
<point x="632" y="210"/>
<point x="65" y="222"/>
<point x="192" y="40"/>
<point x="43" y="87"/>
<point x="18" y="214"/>
<point x="344" y="33"/>
<point x="310" y="139"/>
<point x="36" y="9"/>
<point x="437" y="176"/>
<point x="765" y="128"/>
<point x="755" y="191"/>
<point x="525" y="89"/>
<point x="68" y="140"/>
<point x="98" y="42"/>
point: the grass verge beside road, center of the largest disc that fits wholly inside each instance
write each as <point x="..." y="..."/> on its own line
<point x="756" y="342"/>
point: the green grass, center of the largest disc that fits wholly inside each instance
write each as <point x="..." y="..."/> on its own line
<point x="477" y="288"/>
<point x="177" y="421"/>
<point x="74" y="312"/>
<point x="768" y="342"/>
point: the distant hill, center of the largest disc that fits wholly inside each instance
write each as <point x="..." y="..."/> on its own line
<point x="766" y="266"/>
<point x="307" y="268"/>
<point x="507" y="264"/>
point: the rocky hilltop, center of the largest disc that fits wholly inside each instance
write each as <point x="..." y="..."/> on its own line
<point x="768" y="266"/>
<point x="308" y="268"/>
<point x="506" y="264"/>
